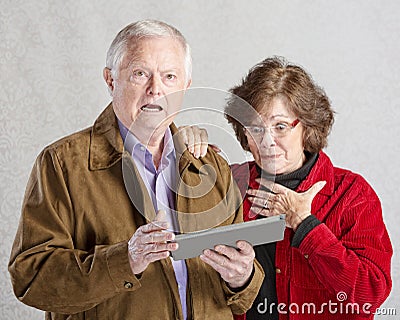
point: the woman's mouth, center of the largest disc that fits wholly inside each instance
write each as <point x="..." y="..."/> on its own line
<point x="272" y="156"/>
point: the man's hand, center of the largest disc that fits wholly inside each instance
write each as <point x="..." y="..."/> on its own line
<point x="234" y="266"/>
<point x="150" y="243"/>
<point x="281" y="200"/>
<point x="196" y="140"/>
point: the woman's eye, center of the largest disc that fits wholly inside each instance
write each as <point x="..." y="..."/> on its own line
<point x="256" y="130"/>
<point x="281" y="126"/>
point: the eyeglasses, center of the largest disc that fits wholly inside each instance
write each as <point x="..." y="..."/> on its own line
<point x="278" y="130"/>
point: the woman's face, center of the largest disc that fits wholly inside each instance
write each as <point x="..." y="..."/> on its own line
<point x="278" y="150"/>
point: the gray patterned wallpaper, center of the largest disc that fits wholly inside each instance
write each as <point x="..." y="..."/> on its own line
<point x="53" y="52"/>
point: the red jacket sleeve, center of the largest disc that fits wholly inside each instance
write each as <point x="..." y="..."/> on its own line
<point x="357" y="262"/>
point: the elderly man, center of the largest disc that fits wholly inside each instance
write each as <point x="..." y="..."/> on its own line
<point x="83" y="250"/>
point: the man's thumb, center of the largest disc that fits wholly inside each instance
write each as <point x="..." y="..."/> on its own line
<point x="161" y="216"/>
<point x="160" y="220"/>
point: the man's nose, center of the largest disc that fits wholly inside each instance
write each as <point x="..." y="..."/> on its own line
<point x="154" y="86"/>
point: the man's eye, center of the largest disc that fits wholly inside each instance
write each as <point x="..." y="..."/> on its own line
<point x="139" y="73"/>
<point x="171" y="76"/>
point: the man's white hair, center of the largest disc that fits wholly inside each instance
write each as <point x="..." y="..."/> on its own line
<point x="140" y="29"/>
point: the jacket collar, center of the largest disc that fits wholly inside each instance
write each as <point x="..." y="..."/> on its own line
<point x="321" y="171"/>
<point x="106" y="145"/>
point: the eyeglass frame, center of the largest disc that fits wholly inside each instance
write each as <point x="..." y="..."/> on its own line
<point x="291" y="126"/>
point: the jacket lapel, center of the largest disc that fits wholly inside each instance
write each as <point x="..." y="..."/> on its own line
<point x="106" y="145"/>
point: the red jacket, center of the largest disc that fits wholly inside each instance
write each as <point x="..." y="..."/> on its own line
<point x="343" y="264"/>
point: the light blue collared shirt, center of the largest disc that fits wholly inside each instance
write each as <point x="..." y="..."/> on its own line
<point x="160" y="184"/>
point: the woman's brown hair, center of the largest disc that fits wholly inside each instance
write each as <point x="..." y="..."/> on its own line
<point x="276" y="78"/>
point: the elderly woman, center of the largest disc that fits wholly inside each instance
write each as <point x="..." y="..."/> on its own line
<point x="334" y="260"/>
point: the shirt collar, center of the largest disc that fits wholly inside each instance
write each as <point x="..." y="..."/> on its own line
<point x="136" y="148"/>
<point x="106" y="146"/>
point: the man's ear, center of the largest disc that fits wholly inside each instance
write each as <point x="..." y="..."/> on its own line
<point x="108" y="78"/>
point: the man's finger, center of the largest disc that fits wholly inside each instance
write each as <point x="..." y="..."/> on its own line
<point x="160" y="247"/>
<point x="212" y="263"/>
<point x="216" y="259"/>
<point x="155" y="256"/>
<point x="153" y="226"/>
<point x="229" y="252"/>
<point x="245" y="247"/>
<point x="155" y="237"/>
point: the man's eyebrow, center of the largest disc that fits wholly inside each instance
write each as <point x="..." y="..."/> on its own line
<point x="135" y="63"/>
<point x="171" y="69"/>
<point x="139" y="63"/>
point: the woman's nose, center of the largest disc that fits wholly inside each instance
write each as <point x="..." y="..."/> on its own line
<point x="268" y="139"/>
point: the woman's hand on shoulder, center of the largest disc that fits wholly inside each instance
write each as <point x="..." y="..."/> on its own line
<point x="196" y="140"/>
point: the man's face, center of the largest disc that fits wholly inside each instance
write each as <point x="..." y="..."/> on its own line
<point x="152" y="68"/>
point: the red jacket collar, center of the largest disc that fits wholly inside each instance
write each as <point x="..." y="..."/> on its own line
<point x="321" y="171"/>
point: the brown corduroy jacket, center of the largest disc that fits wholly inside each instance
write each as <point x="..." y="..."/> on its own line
<point x="70" y="256"/>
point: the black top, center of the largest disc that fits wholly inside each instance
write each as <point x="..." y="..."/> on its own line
<point x="265" y="305"/>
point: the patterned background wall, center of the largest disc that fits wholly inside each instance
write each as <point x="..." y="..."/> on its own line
<point x="52" y="53"/>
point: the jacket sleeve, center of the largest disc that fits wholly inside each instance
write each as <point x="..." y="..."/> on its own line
<point x="242" y="301"/>
<point x="47" y="272"/>
<point x="353" y="257"/>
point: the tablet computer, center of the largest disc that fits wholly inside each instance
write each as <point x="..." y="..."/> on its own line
<point x="256" y="232"/>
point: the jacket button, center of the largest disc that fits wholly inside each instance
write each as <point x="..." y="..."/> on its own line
<point x="128" y="285"/>
<point x="278" y="270"/>
<point x="306" y="256"/>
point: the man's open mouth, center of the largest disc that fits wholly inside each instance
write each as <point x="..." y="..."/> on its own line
<point x="151" y="108"/>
